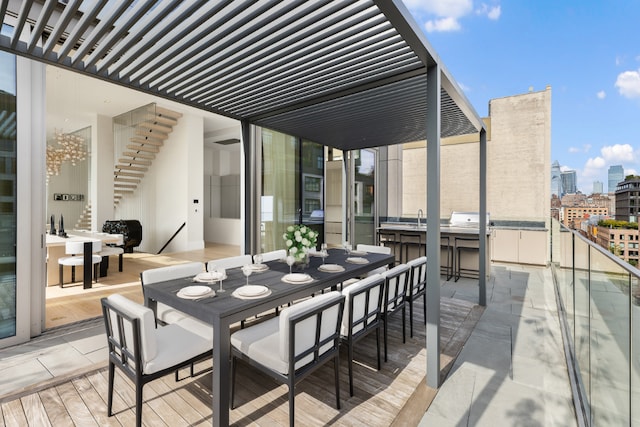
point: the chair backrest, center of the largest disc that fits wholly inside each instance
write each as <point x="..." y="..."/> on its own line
<point x="130" y="332"/>
<point x="362" y="305"/>
<point x="374" y="249"/>
<point x="274" y="255"/>
<point x="77" y="247"/>
<point x="230" y="262"/>
<point x="395" y="287"/>
<point x="418" y="281"/>
<point x="171" y="272"/>
<point x="310" y="330"/>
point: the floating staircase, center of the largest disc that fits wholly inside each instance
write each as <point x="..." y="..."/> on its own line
<point x="84" y="221"/>
<point x="148" y="138"/>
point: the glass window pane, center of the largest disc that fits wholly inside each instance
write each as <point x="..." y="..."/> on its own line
<point x="8" y="135"/>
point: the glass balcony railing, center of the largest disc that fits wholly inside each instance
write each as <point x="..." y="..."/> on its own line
<point x="600" y="302"/>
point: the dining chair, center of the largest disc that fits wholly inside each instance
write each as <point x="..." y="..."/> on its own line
<point x="361" y="315"/>
<point x="417" y="287"/>
<point x="395" y="290"/>
<point x="230" y="262"/>
<point x="375" y="250"/>
<point x="293" y="345"/>
<point x="164" y="313"/>
<point x="274" y="255"/>
<point x="142" y="352"/>
<point x="110" y="249"/>
<point x="76" y="259"/>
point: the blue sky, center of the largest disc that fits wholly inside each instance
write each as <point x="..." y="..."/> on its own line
<point x="587" y="51"/>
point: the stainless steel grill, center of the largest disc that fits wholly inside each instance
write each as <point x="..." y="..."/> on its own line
<point x="466" y="219"/>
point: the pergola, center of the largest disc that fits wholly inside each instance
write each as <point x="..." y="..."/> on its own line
<point x="343" y="73"/>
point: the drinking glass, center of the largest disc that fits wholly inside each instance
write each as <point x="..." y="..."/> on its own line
<point x="223" y="275"/>
<point x="257" y="259"/>
<point x="290" y="261"/>
<point x="246" y="270"/>
<point x="323" y="252"/>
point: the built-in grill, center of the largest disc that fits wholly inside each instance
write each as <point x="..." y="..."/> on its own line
<point x="466" y="219"/>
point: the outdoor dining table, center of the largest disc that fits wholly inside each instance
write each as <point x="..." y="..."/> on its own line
<point x="224" y="309"/>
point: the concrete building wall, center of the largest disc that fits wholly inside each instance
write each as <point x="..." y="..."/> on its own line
<point x="518" y="164"/>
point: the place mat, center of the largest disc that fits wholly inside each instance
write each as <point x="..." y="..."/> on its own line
<point x="297" y="278"/>
<point x="195" y="292"/>
<point x="207" y="277"/>
<point x="238" y="293"/>
<point x="357" y="260"/>
<point x="331" y="268"/>
<point x="258" y="268"/>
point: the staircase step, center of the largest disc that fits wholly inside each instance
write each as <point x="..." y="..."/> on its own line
<point x="159" y="136"/>
<point x="139" y="155"/>
<point x="155" y="127"/>
<point x="134" y="181"/>
<point x="131" y="168"/>
<point x="149" y="141"/>
<point x="163" y="120"/>
<point x="123" y="190"/>
<point x="165" y="112"/>
<point x="118" y="186"/>
<point x="135" y="162"/>
<point x="122" y="173"/>
<point x="145" y="148"/>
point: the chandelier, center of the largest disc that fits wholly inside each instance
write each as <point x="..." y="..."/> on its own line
<point x="70" y="148"/>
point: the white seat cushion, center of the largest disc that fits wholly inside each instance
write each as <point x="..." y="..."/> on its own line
<point x="261" y="343"/>
<point x="78" y="260"/>
<point x="175" y="344"/>
<point x="110" y="250"/>
<point x="359" y="303"/>
<point x="148" y="344"/>
<point x="191" y="324"/>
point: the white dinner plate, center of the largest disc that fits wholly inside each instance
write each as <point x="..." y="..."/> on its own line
<point x="259" y="267"/>
<point x="252" y="290"/>
<point x="207" y="277"/>
<point x="297" y="277"/>
<point x="357" y="260"/>
<point x="195" y="291"/>
<point x="358" y="253"/>
<point x="331" y="268"/>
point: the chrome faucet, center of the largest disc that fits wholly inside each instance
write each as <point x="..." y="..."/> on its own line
<point x="420" y="215"/>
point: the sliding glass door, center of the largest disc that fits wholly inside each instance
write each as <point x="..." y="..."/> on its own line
<point x="8" y="139"/>
<point x="292" y="187"/>
<point x="363" y="185"/>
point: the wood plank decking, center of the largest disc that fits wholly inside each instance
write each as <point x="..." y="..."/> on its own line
<point x="395" y="395"/>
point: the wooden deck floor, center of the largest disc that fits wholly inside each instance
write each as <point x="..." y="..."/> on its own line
<point x="395" y="395"/>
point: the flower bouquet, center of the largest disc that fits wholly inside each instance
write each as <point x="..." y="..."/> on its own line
<point x="299" y="240"/>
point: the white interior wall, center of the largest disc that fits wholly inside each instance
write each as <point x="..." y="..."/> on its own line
<point x="102" y="164"/>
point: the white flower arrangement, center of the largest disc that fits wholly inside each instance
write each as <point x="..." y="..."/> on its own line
<point x="299" y="240"/>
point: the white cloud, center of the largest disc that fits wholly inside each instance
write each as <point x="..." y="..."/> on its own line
<point x="442" y="25"/>
<point x="585" y="149"/>
<point x="492" y="12"/>
<point x="628" y="84"/>
<point x="618" y="153"/>
<point x="630" y="171"/>
<point x="601" y="95"/>
<point x="441" y="8"/>
<point x="445" y="15"/>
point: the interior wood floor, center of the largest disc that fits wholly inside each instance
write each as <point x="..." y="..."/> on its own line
<point x="396" y="395"/>
<point x="73" y="303"/>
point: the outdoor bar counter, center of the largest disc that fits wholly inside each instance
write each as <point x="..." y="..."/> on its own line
<point x="459" y="246"/>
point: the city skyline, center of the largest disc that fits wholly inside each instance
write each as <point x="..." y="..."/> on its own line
<point x="495" y="49"/>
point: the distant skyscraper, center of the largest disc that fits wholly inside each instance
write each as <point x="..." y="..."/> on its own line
<point x="597" y="187"/>
<point x="569" y="182"/>
<point x="616" y="175"/>
<point x="556" y="182"/>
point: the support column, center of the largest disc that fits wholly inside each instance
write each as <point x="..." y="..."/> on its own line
<point x="482" y="261"/>
<point x="433" y="226"/>
<point x="247" y="208"/>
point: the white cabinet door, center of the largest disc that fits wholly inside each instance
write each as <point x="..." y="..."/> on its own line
<point x="504" y="245"/>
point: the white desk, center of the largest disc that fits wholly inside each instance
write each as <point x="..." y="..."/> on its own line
<point x="56" y="250"/>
